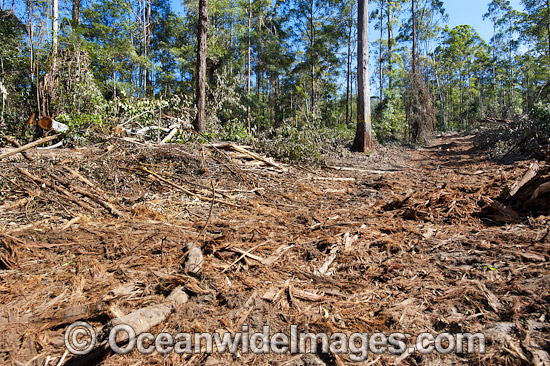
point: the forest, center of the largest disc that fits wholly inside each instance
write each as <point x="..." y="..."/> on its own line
<point x="275" y="71"/>
<point x="274" y="182"/>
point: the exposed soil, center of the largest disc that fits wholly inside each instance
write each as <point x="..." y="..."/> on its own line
<point x="412" y="251"/>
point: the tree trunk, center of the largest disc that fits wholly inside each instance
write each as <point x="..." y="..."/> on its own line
<point x="481" y="92"/>
<point x="351" y="97"/>
<point x="148" y="43"/>
<point x="114" y="79"/>
<point x="528" y="87"/>
<point x="249" y="117"/>
<point x="441" y="101"/>
<point x="200" y="122"/>
<point x="311" y="46"/>
<point x="140" y="21"/>
<point x="76" y="14"/>
<point x="259" y="66"/>
<point x="363" y="136"/>
<point x="494" y="63"/>
<point x="548" y="27"/>
<point x="453" y="113"/>
<point x="348" y="75"/>
<point x="55" y="31"/>
<point x="390" y="41"/>
<point x="143" y="69"/>
<point x="380" y="50"/>
<point x="461" y="103"/>
<point x="413" y="37"/>
<point x="511" y="98"/>
<point x="33" y="62"/>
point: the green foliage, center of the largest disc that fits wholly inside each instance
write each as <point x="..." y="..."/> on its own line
<point x="76" y="91"/>
<point x="14" y="82"/>
<point x="119" y="66"/>
<point x="389" y="118"/>
<point x="289" y="143"/>
<point x="463" y="66"/>
<point x="540" y="122"/>
<point x="235" y="131"/>
<point x="132" y="107"/>
<point x="537" y="26"/>
<point x="225" y="105"/>
<point x="81" y="121"/>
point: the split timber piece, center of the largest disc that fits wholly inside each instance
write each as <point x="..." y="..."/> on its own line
<point x="28" y="146"/>
<point x="241" y="149"/>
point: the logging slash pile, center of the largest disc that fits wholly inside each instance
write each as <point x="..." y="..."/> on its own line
<point x="529" y="195"/>
<point x="210" y="238"/>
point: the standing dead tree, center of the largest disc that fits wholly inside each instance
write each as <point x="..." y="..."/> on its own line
<point x="418" y="105"/>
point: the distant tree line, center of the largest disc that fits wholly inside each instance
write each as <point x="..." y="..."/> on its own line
<point x="271" y="66"/>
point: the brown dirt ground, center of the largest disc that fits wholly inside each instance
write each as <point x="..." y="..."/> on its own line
<point x="423" y="260"/>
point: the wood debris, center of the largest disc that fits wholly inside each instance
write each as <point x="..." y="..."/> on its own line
<point x="243" y="150"/>
<point x="529" y="195"/>
<point x="28" y="146"/>
<point x="408" y="251"/>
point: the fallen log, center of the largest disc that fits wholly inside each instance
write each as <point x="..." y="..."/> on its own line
<point x="335" y="179"/>
<point x="57" y="188"/>
<point x="521" y="142"/>
<point x="141" y="321"/>
<point x="17" y="144"/>
<point x="193" y="258"/>
<point x="91" y="195"/>
<point x="530" y="193"/>
<point x="186" y="191"/>
<point x="241" y="149"/>
<point x="369" y="171"/>
<point x="527" y="178"/>
<point x="497" y="120"/>
<point x="499" y="212"/>
<point x="527" y="196"/>
<point x="54" y="146"/>
<point x="542" y="189"/>
<point x="170" y="136"/>
<point x="28" y="146"/>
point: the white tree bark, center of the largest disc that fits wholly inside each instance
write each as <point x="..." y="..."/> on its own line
<point x="55" y="27"/>
<point x="363" y="136"/>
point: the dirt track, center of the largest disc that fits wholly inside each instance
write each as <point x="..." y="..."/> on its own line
<point x="411" y="251"/>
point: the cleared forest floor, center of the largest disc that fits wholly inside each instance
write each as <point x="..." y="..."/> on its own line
<point x="395" y="242"/>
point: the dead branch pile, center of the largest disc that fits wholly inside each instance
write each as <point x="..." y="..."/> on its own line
<point x="529" y="195"/>
<point x="419" y="109"/>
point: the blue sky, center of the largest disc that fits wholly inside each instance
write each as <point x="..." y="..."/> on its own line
<point x="471" y="12"/>
<point x="460" y="12"/>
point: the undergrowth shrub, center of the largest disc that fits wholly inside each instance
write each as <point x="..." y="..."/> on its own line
<point x="388" y="119"/>
<point x="288" y="143"/>
<point x="540" y="117"/>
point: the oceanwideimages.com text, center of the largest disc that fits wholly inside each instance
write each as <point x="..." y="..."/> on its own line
<point x="81" y="339"/>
